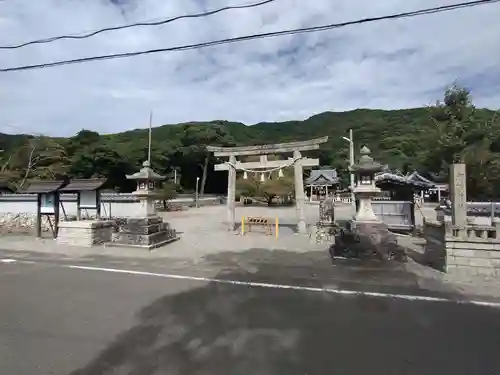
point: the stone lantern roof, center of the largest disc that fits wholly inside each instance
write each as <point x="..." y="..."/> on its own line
<point x="146" y="173"/>
<point x="366" y="164"/>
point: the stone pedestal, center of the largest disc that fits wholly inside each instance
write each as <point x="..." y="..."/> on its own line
<point x="85" y="233"/>
<point x="365" y="211"/>
<point x="146" y="232"/>
<point x="375" y="240"/>
<point x="147" y="206"/>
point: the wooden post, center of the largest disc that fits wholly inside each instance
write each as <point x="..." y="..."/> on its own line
<point x="56" y="213"/>
<point x="39" y="215"/>
<point x="98" y="204"/>
<point x="231" y="194"/>
<point x="277" y="227"/>
<point x="78" y="209"/>
<point x="243" y="225"/>
<point x="299" y="194"/>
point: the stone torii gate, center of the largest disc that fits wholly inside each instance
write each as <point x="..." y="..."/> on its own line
<point x="298" y="162"/>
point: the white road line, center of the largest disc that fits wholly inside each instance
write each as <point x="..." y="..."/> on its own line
<point x="8" y="260"/>
<point x="290" y="287"/>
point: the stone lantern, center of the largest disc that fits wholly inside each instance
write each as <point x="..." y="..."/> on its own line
<point x="144" y="229"/>
<point x="146" y="180"/>
<point x="365" y="189"/>
<point x="372" y="236"/>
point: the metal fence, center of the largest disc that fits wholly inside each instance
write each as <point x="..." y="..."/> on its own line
<point x="478" y="209"/>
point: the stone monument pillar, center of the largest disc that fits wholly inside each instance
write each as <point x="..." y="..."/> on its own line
<point x="146" y="229"/>
<point x="458" y="192"/>
<point x="300" y="198"/>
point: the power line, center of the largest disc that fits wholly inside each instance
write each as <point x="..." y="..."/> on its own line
<point x="137" y="24"/>
<point x="253" y="36"/>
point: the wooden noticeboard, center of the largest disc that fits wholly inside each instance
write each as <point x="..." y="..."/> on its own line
<point x="48" y="203"/>
<point x="88" y="199"/>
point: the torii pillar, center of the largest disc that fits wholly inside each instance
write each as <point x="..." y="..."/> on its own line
<point x="300" y="198"/>
<point x="231" y="194"/>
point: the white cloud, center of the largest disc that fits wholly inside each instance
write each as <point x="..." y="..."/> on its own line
<point x="389" y="64"/>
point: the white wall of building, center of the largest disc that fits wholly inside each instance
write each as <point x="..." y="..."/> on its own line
<point x="116" y="209"/>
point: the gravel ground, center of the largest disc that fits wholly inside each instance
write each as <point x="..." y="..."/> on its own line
<point x="204" y="235"/>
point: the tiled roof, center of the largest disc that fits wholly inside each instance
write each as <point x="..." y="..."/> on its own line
<point x="323" y="177"/>
<point x="40" y="187"/>
<point x="414" y="179"/>
<point x="89" y="184"/>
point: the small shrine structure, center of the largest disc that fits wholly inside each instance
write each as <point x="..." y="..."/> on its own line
<point x="403" y="187"/>
<point x="321" y="182"/>
<point x="401" y="198"/>
<point x="145" y="229"/>
<point x="297" y="161"/>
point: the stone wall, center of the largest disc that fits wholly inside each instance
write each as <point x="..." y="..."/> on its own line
<point x="475" y="253"/>
<point x="472" y="251"/>
<point x="18" y="211"/>
<point x="21" y="222"/>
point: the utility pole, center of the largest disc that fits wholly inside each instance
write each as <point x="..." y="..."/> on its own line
<point x="351" y="163"/>
<point x="149" y="137"/>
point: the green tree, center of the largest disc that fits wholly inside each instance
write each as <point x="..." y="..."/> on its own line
<point x="167" y="192"/>
<point x="194" y="139"/>
<point x="461" y="136"/>
<point x="271" y="187"/>
<point x="97" y="161"/>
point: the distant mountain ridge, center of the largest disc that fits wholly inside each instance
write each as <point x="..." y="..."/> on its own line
<point x="370" y="126"/>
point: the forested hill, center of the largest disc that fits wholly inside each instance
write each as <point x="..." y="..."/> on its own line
<point x="422" y="138"/>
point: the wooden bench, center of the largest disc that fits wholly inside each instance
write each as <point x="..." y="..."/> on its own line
<point x="259" y="221"/>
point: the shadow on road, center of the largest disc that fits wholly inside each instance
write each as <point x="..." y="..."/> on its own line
<point x="228" y="329"/>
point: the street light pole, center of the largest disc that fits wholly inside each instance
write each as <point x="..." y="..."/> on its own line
<point x="196" y="198"/>
<point x="351" y="163"/>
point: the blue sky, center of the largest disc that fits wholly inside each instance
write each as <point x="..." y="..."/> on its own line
<point x="389" y="64"/>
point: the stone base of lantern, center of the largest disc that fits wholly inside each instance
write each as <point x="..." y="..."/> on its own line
<point x="375" y="240"/>
<point x="147" y="233"/>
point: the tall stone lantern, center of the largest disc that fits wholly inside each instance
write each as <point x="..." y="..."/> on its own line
<point x="145" y="229"/>
<point x="146" y="180"/>
<point x="365" y="189"/>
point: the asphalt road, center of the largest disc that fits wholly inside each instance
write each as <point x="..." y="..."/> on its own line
<point x="60" y="320"/>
